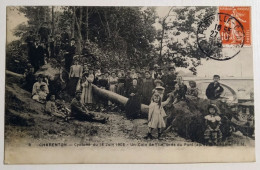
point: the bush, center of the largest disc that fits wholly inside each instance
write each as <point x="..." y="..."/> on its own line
<point x="16" y="57"/>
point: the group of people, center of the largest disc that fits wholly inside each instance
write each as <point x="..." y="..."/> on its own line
<point x="151" y="86"/>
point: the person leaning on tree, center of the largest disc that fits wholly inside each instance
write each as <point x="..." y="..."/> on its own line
<point x="214" y="89"/>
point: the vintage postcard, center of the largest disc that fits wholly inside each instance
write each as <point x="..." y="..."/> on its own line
<point x="147" y="84"/>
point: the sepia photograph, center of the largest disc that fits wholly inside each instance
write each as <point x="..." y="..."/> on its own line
<point x="103" y="84"/>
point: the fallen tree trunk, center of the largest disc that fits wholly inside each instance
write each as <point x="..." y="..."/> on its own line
<point x="115" y="97"/>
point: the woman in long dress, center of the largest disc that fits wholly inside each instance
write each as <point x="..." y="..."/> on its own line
<point x="147" y="88"/>
<point x="87" y="94"/>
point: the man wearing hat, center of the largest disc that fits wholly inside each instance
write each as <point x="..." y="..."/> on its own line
<point x="44" y="32"/>
<point x="69" y="53"/>
<point x="133" y="74"/>
<point x="159" y="73"/>
<point x="169" y="79"/>
<point x="81" y="113"/>
<point x="214" y="89"/>
<point x="38" y="55"/>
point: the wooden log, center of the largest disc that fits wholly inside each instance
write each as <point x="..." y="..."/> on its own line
<point x="115" y="97"/>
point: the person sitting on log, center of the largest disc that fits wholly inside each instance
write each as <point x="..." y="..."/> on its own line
<point x="156" y="115"/>
<point x="213" y="134"/>
<point x="80" y="112"/>
<point x="133" y="105"/>
<point x="193" y="90"/>
<point x="180" y="90"/>
<point x="214" y="89"/>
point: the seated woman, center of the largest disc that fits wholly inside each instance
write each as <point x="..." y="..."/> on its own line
<point x="40" y="90"/>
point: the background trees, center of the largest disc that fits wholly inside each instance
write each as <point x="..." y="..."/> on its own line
<point x="124" y="36"/>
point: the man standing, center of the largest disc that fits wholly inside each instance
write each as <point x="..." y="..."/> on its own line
<point x="214" y="89"/>
<point x="81" y="113"/>
<point x="30" y="40"/>
<point x="44" y="32"/>
<point x="70" y="52"/>
<point x="38" y="55"/>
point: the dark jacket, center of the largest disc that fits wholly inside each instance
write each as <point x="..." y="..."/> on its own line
<point x="213" y="91"/>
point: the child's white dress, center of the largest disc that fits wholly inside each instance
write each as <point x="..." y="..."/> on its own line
<point x="156" y="115"/>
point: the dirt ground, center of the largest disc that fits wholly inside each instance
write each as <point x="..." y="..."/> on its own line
<point x="26" y="123"/>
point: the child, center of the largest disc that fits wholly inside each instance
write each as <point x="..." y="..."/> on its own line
<point x="192" y="90"/>
<point x="51" y="108"/>
<point x="40" y="95"/>
<point x="133" y="105"/>
<point x="214" y="89"/>
<point x="156" y="115"/>
<point x="159" y="87"/>
<point x="213" y="134"/>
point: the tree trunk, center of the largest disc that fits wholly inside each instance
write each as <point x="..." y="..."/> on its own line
<point x="116" y="97"/>
<point x="73" y="23"/>
<point x="87" y="23"/>
<point x="78" y="24"/>
<point x="52" y="20"/>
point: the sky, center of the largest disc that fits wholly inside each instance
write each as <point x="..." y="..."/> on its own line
<point x="240" y="65"/>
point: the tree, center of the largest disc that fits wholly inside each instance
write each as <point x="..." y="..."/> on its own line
<point x="178" y="43"/>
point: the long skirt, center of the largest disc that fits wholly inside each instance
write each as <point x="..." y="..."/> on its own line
<point x="87" y="95"/>
<point x="71" y="87"/>
<point x="133" y="107"/>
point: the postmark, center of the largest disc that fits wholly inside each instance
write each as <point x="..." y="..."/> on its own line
<point x="220" y="36"/>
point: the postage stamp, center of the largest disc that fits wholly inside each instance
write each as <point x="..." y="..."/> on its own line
<point x="221" y="36"/>
<point x="93" y="84"/>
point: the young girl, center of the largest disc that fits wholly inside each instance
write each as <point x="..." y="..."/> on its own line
<point x="156" y="115"/>
<point x="213" y="134"/>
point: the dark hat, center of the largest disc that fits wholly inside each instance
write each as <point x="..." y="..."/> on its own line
<point x="42" y="85"/>
<point x="217" y="76"/>
<point x="147" y="71"/>
<point x="40" y="76"/>
<point x="192" y="82"/>
<point x="214" y="107"/>
<point x="159" y="68"/>
<point x="72" y="39"/>
<point x="158" y="81"/>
